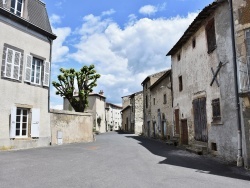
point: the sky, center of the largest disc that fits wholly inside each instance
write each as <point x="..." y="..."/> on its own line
<point x="125" y="40"/>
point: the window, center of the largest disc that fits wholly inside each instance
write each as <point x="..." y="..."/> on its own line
<point x="154" y="101"/>
<point x="21" y="126"/>
<point x="12" y="64"/>
<point x="211" y="39"/>
<point x="179" y="57"/>
<point x="146" y="101"/>
<point x="164" y="99"/>
<point x="194" y="42"/>
<point x="34" y="68"/>
<point x="146" y="86"/>
<point x="180" y="83"/>
<point x="216" y="110"/>
<point x="16" y="7"/>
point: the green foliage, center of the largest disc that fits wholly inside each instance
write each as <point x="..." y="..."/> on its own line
<point x="85" y="80"/>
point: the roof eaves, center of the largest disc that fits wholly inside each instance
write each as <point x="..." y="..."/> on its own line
<point x="160" y="79"/>
<point x="195" y="25"/>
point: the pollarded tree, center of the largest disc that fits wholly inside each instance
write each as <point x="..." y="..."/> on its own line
<point x="85" y="81"/>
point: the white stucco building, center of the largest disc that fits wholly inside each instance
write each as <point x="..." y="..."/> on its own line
<point x="113" y="116"/>
<point x="25" y="56"/>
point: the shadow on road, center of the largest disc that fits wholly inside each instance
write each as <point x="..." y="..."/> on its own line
<point x="202" y="164"/>
<point x="123" y="132"/>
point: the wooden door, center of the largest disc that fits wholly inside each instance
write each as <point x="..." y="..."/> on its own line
<point x="184" y="132"/>
<point x="200" y="119"/>
<point x="177" y="126"/>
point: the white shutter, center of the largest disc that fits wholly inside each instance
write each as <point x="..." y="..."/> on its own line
<point x="46" y="73"/>
<point x="13" y="123"/>
<point x="28" y="68"/>
<point x="8" y="63"/>
<point x="35" y="122"/>
<point x="16" y="68"/>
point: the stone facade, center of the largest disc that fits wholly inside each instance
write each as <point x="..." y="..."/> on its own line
<point x="24" y="109"/>
<point x="137" y="112"/>
<point x="242" y="39"/>
<point x="161" y="107"/>
<point x="204" y="108"/>
<point x="147" y="117"/>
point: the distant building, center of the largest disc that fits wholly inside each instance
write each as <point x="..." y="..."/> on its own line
<point x="113" y="117"/>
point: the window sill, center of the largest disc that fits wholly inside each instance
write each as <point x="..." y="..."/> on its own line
<point x="216" y="123"/>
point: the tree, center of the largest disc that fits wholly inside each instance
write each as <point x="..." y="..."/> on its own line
<point x="85" y="80"/>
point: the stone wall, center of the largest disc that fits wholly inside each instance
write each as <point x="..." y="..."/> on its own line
<point x="73" y="126"/>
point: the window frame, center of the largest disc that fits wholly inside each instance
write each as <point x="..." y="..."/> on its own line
<point x="15" y="10"/>
<point x="211" y="36"/>
<point x="180" y="83"/>
<point x="165" y="98"/>
<point x="21" y="115"/>
<point x="36" y="60"/>
<point x="216" y="110"/>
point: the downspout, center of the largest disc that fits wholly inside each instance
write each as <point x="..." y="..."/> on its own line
<point x="239" y="156"/>
<point x="50" y="58"/>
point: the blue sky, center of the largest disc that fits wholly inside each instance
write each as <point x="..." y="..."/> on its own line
<point x="125" y="40"/>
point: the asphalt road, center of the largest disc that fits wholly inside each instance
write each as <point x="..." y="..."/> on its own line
<point x="116" y="160"/>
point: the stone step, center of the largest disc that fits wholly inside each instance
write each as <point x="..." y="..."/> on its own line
<point x="198" y="149"/>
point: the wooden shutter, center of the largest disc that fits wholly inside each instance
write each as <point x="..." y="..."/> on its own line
<point x="46" y="73"/>
<point x="28" y="68"/>
<point x="35" y="122"/>
<point x="13" y="123"/>
<point x="16" y="67"/>
<point x="8" y="63"/>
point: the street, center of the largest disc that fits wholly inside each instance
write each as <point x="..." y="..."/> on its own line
<point x="116" y="160"/>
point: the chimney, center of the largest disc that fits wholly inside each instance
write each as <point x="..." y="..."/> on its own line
<point x="101" y="92"/>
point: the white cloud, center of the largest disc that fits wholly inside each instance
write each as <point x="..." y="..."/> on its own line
<point x="109" y="12"/>
<point x="60" y="50"/>
<point x="55" y="19"/>
<point x="57" y="107"/>
<point x="148" y="10"/>
<point x="151" y="10"/>
<point x="126" y="56"/>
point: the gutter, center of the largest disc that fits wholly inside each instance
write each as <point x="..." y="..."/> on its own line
<point x="50" y="58"/>
<point x="237" y="100"/>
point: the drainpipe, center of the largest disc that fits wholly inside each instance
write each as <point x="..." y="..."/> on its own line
<point x="50" y="58"/>
<point x="239" y="156"/>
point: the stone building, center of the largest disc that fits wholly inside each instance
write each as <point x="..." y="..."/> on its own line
<point x="161" y="107"/>
<point x="132" y="113"/>
<point x="25" y="51"/>
<point x="147" y="116"/>
<point x="203" y="79"/>
<point x="241" y="20"/>
<point x="113" y="117"/>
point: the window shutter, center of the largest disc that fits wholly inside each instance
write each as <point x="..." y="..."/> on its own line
<point x="46" y="73"/>
<point x="8" y="63"/>
<point x="28" y="68"/>
<point x="16" y="69"/>
<point x="13" y="123"/>
<point x="35" y="122"/>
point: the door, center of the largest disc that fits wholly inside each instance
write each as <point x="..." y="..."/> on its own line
<point x="200" y="119"/>
<point x="148" y="128"/>
<point x="154" y="127"/>
<point x="184" y="132"/>
<point x="164" y="128"/>
<point x="177" y="126"/>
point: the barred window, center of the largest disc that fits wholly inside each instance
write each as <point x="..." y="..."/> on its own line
<point x="216" y="110"/>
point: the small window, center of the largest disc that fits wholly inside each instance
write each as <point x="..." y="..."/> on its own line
<point x="16" y="7"/>
<point x="146" y="101"/>
<point x="164" y="99"/>
<point x="211" y="39"/>
<point x="146" y="86"/>
<point x="154" y="101"/>
<point x="216" y="110"/>
<point x="179" y="57"/>
<point x="214" y="146"/>
<point x="194" y="42"/>
<point x="180" y="83"/>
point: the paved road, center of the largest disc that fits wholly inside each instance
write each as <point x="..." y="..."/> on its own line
<point x="116" y="160"/>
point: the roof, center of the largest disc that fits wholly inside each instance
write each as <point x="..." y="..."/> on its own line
<point x="160" y="79"/>
<point x="38" y="19"/>
<point x="195" y="25"/>
<point x="127" y="107"/>
<point x="139" y="92"/>
<point x="107" y="103"/>
<point x="97" y="94"/>
<point x="148" y="77"/>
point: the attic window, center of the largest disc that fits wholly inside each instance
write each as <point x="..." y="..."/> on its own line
<point x="16" y="7"/>
<point x="179" y="57"/>
<point x="211" y="38"/>
<point x="194" y="43"/>
<point x="180" y="83"/>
